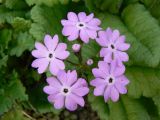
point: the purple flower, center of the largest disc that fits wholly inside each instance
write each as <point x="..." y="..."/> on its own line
<point x="109" y="81"/>
<point x="113" y="46"/>
<point x="66" y="90"/>
<point x="80" y="25"/>
<point x="76" y="47"/>
<point x="50" y="55"/>
<point x="89" y="62"/>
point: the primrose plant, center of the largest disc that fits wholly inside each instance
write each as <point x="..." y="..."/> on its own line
<point x="65" y="89"/>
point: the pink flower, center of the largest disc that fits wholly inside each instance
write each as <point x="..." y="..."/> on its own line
<point x="89" y="62"/>
<point x="66" y="90"/>
<point x="52" y="55"/>
<point x="109" y="81"/>
<point x="113" y="46"/>
<point x="76" y="47"/>
<point x="80" y="25"/>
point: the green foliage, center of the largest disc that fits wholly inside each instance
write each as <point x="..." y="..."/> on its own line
<point x="112" y="6"/>
<point x="98" y="104"/>
<point x="47" y="22"/>
<point x="22" y="22"/>
<point x="11" y="91"/>
<point x="134" y="109"/>
<point x="15" y="114"/>
<point x="24" y="42"/>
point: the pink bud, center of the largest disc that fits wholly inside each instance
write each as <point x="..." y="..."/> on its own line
<point x="76" y="47"/>
<point x="89" y="62"/>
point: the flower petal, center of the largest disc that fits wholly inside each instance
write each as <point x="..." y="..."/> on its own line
<point x="74" y="35"/>
<point x="53" y="82"/>
<point x="59" y="101"/>
<point x="71" y="77"/>
<point x="89" y="17"/>
<point x="115" y="36"/>
<point x="40" y="46"/>
<point x="50" y="42"/>
<point x="102" y="40"/>
<point x="82" y="16"/>
<point x="114" y="94"/>
<point x="79" y="83"/>
<point x="123" y="56"/>
<point x="82" y="91"/>
<point x="39" y="53"/>
<point x="107" y="93"/>
<point x="84" y="36"/>
<point x="98" y="73"/>
<point x="108" y="58"/>
<point x="50" y="90"/>
<point x="72" y="16"/>
<point x="62" y="77"/>
<point x="122" y="46"/>
<point x="59" y="63"/>
<point x="70" y="104"/>
<point x="41" y="64"/>
<point x="91" y="33"/>
<point x="67" y="23"/>
<point x="104" y="67"/>
<point x="104" y="52"/>
<point x="94" y="21"/>
<point x="69" y="30"/>
<point x="97" y="82"/>
<point x="79" y="100"/>
<point x="56" y="65"/>
<point x="99" y="90"/>
<point x="116" y="70"/>
<point x="121" y="88"/>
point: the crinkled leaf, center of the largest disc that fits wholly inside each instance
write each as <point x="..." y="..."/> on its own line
<point x="10" y="91"/>
<point x="24" y="42"/>
<point x="15" y="4"/>
<point x="7" y="15"/>
<point x="47" y="22"/>
<point x="21" y="24"/>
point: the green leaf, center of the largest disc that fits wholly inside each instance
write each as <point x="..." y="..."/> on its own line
<point x="39" y="99"/>
<point x="11" y="91"/>
<point x="7" y="15"/>
<point x="5" y="38"/>
<point x="14" y="114"/>
<point x="134" y="109"/>
<point x="133" y="16"/>
<point x="156" y="100"/>
<point x="143" y="81"/>
<point x="98" y="104"/>
<point x="90" y="50"/>
<point x="15" y="4"/>
<point x="25" y="42"/>
<point x="46" y="2"/>
<point x="117" y="111"/>
<point x="112" y="6"/>
<point x="154" y="7"/>
<point x="21" y="24"/>
<point x="47" y="22"/>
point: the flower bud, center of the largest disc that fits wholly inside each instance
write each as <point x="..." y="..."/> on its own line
<point x="89" y="62"/>
<point x="76" y="47"/>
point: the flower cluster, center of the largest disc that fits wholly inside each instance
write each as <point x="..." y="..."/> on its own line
<point x="109" y="79"/>
<point x="65" y="89"/>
